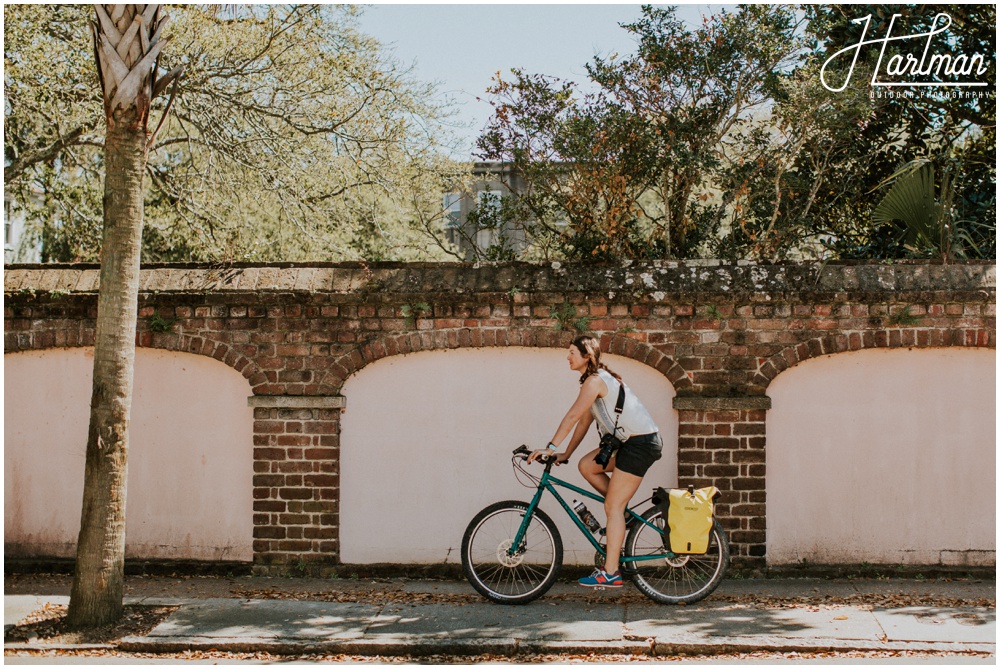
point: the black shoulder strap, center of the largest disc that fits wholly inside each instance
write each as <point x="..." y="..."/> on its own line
<point x="620" y="404"/>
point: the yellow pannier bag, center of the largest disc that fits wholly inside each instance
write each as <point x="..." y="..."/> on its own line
<point x="690" y="514"/>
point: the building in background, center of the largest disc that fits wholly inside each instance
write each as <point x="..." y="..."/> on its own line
<point x="18" y="247"/>
<point x="492" y="182"/>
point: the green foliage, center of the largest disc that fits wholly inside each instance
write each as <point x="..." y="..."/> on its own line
<point x="297" y="569"/>
<point x="629" y="171"/>
<point x="787" y="177"/>
<point x="713" y="311"/>
<point x="696" y="91"/>
<point x="911" y="200"/>
<point x="581" y="324"/>
<point x="297" y="137"/>
<point x="294" y="136"/>
<point x="158" y="323"/>
<point x="902" y="318"/>
<point x="942" y="128"/>
<point x="929" y="227"/>
<point x="565" y="313"/>
<point x="720" y="140"/>
<point x="411" y="312"/>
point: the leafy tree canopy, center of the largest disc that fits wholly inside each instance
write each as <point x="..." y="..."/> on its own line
<point x="956" y="133"/>
<point x="721" y="141"/>
<point x="632" y="167"/>
<point x="293" y="136"/>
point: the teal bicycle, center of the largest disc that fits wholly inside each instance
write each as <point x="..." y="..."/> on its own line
<point x="512" y="551"/>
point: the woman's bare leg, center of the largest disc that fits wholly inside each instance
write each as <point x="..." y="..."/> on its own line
<point x="621" y="488"/>
<point x="596" y="475"/>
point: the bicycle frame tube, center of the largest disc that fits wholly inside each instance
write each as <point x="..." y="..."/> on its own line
<point x="549" y="482"/>
<point x="546" y="483"/>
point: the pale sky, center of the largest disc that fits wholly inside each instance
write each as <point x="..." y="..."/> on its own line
<point x="463" y="46"/>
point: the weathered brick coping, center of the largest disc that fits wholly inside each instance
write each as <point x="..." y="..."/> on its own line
<point x="297" y="402"/>
<point x="655" y="279"/>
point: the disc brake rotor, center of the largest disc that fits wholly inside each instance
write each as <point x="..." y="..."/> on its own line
<point x="677" y="561"/>
<point x="505" y="558"/>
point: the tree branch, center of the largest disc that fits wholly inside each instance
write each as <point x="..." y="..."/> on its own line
<point x="27" y="160"/>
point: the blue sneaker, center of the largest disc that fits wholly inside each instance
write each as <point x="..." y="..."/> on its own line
<point x="602" y="579"/>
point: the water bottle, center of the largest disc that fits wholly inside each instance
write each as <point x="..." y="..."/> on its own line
<point x="586" y="516"/>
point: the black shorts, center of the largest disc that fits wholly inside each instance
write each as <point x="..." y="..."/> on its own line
<point x="639" y="453"/>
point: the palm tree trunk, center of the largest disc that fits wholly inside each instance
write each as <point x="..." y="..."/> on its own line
<point x="98" y="585"/>
<point x="126" y="47"/>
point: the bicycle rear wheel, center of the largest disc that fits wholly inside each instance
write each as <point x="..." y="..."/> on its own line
<point x="681" y="579"/>
<point x="511" y="576"/>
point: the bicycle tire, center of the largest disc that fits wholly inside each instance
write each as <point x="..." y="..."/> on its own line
<point x="684" y="579"/>
<point x="511" y="579"/>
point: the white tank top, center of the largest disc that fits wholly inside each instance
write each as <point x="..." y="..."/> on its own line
<point x="634" y="418"/>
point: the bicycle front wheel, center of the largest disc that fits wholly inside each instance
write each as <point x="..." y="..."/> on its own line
<point x="505" y="573"/>
<point x="675" y="579"/>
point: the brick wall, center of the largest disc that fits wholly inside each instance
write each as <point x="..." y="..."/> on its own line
<point x="296" y="481"/>
<point x="721" y="442"/>
<point x="719" y="332"/>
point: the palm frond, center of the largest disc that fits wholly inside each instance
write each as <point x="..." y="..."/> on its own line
<point x="903" y="171"/>
<point x="911" y="201"/>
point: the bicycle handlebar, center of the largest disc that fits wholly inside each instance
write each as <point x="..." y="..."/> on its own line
<point x="524" y="452"/>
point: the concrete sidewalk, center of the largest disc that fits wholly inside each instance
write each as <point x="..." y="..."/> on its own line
<point x="434" y="617"/>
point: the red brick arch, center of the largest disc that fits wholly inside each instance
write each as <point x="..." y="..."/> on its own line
<point x="206" y="346"/>
<point x="350" y="363"/>
<point x="868" y="339"/>
<point x="168" y="342"/>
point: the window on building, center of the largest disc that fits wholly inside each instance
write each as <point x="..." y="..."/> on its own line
<point x="485" y="237"/>
<point x="453" y="210"/>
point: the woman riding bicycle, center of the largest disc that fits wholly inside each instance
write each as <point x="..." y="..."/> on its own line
<point x="620" y="478"/>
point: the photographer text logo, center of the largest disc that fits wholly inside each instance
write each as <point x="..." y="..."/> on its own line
<point x="904" y="69"/>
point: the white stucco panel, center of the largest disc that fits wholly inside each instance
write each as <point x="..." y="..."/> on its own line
<point x="426" y="442"/>
<point x="190" y="455"/>
<point x="884" y="456"/>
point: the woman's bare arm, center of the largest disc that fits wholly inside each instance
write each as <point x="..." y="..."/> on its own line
<point x="582" y="426"/>
<point x="591" y="389"/>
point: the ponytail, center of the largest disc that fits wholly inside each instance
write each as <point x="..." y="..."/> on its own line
<point x="590" y="348"/>
<point x="610" y="371"/>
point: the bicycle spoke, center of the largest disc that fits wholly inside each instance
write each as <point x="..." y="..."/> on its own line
<point x="674" y="578"/>
<point x="504" y="571"/>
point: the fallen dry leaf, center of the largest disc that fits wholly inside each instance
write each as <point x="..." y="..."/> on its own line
<point x="47" y="624"/>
